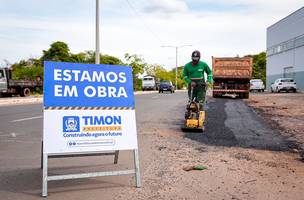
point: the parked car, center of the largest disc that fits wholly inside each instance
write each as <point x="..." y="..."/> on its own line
<point x="284" y="84"/>
<point x="166" y="86"/>
<point x="256" y="85"/>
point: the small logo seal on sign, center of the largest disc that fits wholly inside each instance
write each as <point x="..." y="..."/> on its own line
<point x="71" y="124"/>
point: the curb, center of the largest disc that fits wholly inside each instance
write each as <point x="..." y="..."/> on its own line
<point x="32" y="100"/>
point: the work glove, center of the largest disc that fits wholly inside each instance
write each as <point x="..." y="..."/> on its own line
<point x="193" y="84"/>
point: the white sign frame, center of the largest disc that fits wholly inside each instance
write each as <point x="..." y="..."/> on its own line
<point x="51" y="151"/>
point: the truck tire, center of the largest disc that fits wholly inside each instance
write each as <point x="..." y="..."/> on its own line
<point x="246" y="95"/>
<point x="25" y="92"/>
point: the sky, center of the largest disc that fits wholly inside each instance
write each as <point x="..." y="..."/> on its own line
<point x="214" y="27"/>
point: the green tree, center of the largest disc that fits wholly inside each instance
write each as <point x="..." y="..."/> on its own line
<point x="78" y="58"/>
<point x="138" y="67"/>
<point x="58" y="51"/>
<point x="27" y="69"/>
<point x="259" y="66"/>
<point x="89" y="57"/>
<point x="161" y="73"/>
<point x="180" y="80"/>
<point x="110" y="60"/>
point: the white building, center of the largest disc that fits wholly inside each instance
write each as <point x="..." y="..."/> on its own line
<point x="285" y="49"/>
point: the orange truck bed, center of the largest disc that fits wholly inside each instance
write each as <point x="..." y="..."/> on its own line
<point x="231" y="76"/>
<point x="232" y="68"/>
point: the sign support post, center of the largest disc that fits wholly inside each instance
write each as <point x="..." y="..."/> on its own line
<point x="137" y="171"/>
<point x="44" y="175"/>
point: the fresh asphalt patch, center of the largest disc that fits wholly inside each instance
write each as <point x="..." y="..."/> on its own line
<point x="230" y="122"/>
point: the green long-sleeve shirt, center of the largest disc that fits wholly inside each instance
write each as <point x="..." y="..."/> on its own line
<point x="197" y="71"/>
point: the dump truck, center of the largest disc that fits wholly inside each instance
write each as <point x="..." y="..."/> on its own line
<point x="231" y="76"/>
<point x="9" y="87"/>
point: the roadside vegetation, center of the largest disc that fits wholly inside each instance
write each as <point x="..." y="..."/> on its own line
<point x="59" y="51"/>
<point x="259" y="66"/>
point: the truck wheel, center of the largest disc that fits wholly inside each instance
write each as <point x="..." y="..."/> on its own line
<point x="246" y="95"/>
<point x="25" y="92"/>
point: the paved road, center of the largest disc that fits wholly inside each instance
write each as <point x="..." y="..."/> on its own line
<point x="229" y="123"/>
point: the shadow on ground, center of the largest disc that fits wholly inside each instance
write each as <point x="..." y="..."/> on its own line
<point x="28" y="182"/>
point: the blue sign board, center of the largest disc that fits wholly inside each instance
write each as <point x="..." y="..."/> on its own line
<point x="87" y="85"/>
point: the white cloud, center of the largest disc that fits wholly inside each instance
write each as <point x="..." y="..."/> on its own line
<point x="166" y="6"/>
<point x="214" y="33"/>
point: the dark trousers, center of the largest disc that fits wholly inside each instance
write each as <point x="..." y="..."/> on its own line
<point x="199" y="93"/>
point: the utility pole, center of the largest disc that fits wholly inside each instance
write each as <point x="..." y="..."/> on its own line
<point x="176" y="66"/>
<point x="97" y="59"/>
<point x="176" y="59"/>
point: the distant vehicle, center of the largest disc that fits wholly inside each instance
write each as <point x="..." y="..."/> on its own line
<point x="9" y="87"/>
<point x="257" y="85"/>
<point x="284" y="84"/>
<point x="231" y="76"/>
<point x="149" y="83"/>
<point x="166" y="86"/>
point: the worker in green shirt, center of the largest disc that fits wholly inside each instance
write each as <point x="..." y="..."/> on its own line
<point x="194" y="76"/>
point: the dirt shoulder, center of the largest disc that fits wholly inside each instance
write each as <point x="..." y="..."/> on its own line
<point x="284" y="111"/>
<point x="232" y="172"/>
<point x="6" y="101"/>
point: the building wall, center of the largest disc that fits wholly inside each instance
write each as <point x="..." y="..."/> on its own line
<point x="287" y="28"/>
<point x="285" y="49"/>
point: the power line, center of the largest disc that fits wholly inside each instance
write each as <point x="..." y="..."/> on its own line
<point x="142" y="19"/>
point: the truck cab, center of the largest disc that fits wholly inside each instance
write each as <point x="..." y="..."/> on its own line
<point x="9" y="87"/>
<point x="3" y="80"/>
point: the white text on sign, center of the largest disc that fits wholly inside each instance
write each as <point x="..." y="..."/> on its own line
<point x="89" y="91"/>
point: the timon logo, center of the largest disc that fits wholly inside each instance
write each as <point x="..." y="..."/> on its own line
<point x="71" y="124"/>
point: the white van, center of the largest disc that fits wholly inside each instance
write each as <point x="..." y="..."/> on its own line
<point x="149" y="83"/>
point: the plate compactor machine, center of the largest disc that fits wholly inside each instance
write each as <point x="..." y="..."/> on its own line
<point x="194" y="116"/>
